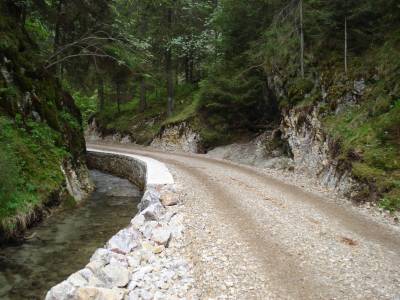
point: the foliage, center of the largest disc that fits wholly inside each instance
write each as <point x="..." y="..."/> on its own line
<point x="29" y="166"/>
<point x="228" y="67"/>
<point x="86" y="104"/>
<point x="40" y="124"/>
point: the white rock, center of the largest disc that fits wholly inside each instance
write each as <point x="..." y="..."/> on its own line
<point x="95" y="265"/>
<point x="147" y="229"/>
<point x="94" y="293"/>
<point x="62" y="291"/>
<point x="95" y="282"/>
<point x="161" y="235"/>
<point x="114" y="276"/>
<point x="138" y="221"/>
<point x="86" y="273"/>
<point x="134" y="295"/>
<point x="146" y="295"/>
<point x="132" y="285"/>
<point x="124" y="241"/>
<point x="159" y="296"/>
<point x="153" y="212"/>
<point x="169" y="199"/>
<point x="77" y="280"/>
<point x="150" y="197"/>
<point x="134" y="260"/>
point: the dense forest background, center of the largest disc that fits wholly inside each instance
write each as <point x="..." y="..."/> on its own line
<point x="230" y="68"/>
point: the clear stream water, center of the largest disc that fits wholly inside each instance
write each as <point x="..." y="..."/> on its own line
<point x="65" y="241"/>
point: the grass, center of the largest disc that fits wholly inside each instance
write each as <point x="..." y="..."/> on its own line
<point x="369" y="136"/>
<point x="29" y="170"/>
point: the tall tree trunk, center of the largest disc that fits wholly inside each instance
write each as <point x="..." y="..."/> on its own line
<point x="176" y="75"/>
<point x="100" y="93"/>
<point x="143" y="101"/>
<point x="23" y="16"/>
<point x="345" y="45"/>
<point x="186" y="63"/>
<point x="170" y="82"/>
<point x="191" y="67"/>
<point x="118" y="96"/>
<point x="301" y="40"/>
<point x="168" y="67"/>
<point x="57" y="35"/>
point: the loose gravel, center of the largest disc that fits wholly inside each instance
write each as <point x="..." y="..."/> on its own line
<point x="250" y="236"/>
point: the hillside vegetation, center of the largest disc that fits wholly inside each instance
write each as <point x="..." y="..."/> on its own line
<point x="249" y="69"/>
<point x="232" y="69"/>
<point x="40" y="129"/>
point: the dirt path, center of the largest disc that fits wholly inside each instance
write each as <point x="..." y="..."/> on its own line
<point x="252" y="236"/>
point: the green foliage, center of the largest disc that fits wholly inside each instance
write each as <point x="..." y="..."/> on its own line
<point x="299" y="89"/>
<point x="29" y="167"/>
<point x="86" y="104"/>
<point x="371" y="133"/>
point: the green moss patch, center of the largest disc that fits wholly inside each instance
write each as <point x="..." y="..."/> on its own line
<point x="29" y="169"/>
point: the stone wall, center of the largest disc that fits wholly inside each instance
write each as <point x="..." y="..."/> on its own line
<point x="141" y="260"/>
<point x="119" y="165"/>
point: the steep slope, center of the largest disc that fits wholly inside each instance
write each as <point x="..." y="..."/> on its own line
<point x="41" y="139"/>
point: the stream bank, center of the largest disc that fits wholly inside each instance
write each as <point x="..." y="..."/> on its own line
<point x="143" y="260"/>
<point x="65" y="240"/>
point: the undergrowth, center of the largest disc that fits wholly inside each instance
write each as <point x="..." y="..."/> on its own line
<point x="29" y="169"/>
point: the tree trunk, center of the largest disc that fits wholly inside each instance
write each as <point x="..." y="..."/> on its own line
<point x="301" y="40"/>
<point x="57" y="35"/>
<point x="170" y="83"/>
<point x="169" y="71"/>
<point x="143" y="101"/>
<point x="100" y="93"/>
<point x="345" y="45"/>
<point x="191" y="68"/>
<point x="186" y="63"/>
<point x="118" y="96"/>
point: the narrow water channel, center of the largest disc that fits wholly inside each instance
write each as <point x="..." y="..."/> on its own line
<point x="64" y="242"/>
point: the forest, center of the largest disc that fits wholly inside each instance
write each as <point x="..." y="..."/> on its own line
<point x="229" y="68"/>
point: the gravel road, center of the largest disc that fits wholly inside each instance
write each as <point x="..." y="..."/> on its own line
<point x="253" y="236"/>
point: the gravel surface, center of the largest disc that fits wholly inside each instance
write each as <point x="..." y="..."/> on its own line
<point x="253" y="236"/>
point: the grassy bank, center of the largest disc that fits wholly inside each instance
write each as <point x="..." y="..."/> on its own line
<point x="29" y="171"/>
<point x="40" y="127"/>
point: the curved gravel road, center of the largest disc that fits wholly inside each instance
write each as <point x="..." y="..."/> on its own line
<point x="252" y="236"/>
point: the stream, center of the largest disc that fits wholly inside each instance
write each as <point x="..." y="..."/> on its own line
<point x="65" y="241"/>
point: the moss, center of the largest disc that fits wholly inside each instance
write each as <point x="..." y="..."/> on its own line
<point x="189" y="111"/>
<point x="31" y="161"/>
<point x="391" y="202"/>
<point x="369" y="133"/>
<point x="31" y="149"/>
<point x="299" y="89"/>
<point x="365" y="172"/>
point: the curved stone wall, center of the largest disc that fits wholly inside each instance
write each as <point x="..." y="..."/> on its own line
<point x="140" y="261"/>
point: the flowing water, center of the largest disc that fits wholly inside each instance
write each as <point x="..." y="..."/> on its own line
<point x="64" y="242"/>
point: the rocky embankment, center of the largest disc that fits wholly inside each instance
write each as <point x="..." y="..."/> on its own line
<point x="142" y="261"/>
<point x="266" y="151"/>
<point x="178" y="137"/>
<point x="314" y="152"/>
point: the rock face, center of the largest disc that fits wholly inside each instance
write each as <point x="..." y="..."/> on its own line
<point x="267" y="150"/>
<point x="93" y="134"/>
<point x="77" y="180"/>
<point x="179" y="137"/>
<point x="313" y="151"/>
